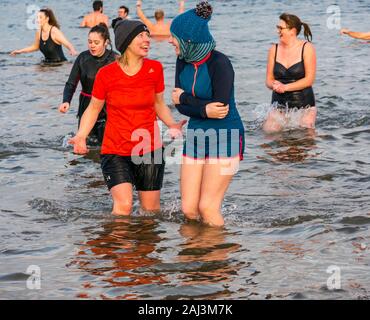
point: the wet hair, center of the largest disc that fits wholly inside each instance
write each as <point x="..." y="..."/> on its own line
<point x="97" y="5"/>
<point x="293" y="21"/>
<point x="50" y="14"/>
<point x="159" y="14"/>
<point x="125" y="8"/>
<point x="103" y="30"/>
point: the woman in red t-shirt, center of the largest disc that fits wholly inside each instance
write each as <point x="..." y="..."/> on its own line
<point x="132" y="89"/>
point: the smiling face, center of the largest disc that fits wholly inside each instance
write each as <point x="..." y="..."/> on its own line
<point x="96" y="44"/>
<point x="140" y="45"/>
<point x="284" y="32"/>
<point x="175" y="43"/>
<point x="42" y="19"/>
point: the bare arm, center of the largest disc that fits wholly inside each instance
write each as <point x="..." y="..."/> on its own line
<point x="356" y="35"/>
<point x="310" y="70"/>
<point x="164" y="113"/>
<point x="34" y="47"/>
<point x="181" y="6"/>
<point x="270" y="67"/>
<point x="142" y="16"/>
<point x="59" y="38"/>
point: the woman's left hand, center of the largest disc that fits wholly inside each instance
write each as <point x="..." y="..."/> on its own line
<point x="278" y="87"/>
<point x="281" y="88"/>
<point x="176" y="129"/>
<point x="176" y="93"/>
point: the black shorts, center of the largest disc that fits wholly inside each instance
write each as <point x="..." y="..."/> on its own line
<point x="96" y="135"/>
<point x="145" y="173"/>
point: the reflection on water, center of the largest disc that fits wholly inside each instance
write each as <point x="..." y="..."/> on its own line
<point x="127" y="253"/>
<point x="115" y="253"/>
<point x="208" y="246"/>
<point x="286" y="247"/>
<point x="291" y="146"/>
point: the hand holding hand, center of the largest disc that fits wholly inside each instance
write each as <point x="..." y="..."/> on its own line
<point x="278" y="87"/>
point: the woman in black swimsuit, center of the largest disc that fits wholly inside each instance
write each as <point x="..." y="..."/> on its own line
<point x="49" y="39"/>
<point x="291" y="71"/>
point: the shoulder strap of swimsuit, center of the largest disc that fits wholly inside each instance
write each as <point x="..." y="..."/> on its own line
<point x="276" y="51"/>
<point x="50" y="32"/>
<point x="303" y="49"/>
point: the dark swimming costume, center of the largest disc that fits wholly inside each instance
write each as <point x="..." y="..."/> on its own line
<point x="85" y="69"/>
<point x="293" y="99"/>
<point x="145" y="176"/>
<point x="53" y="52"/>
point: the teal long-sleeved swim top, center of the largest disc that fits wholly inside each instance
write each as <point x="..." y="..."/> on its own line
<point x="210" y="80"/>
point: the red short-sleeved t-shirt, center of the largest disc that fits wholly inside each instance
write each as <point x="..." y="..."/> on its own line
<point x="131" y="127"/>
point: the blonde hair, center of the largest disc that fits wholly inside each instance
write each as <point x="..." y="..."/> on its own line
<point x="123" y="59"/>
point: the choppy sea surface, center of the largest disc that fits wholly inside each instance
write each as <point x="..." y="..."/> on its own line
<point x="297" y="213"/>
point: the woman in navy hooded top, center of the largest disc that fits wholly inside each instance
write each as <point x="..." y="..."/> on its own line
<point x="204" y="91"/>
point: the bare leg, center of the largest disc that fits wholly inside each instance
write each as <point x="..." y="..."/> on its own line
<point x="150" y="200"/>
<point x="309" y="118"/>
<point x="122" y="199"/>
<point x="191" y="179"/>
<point x="215" y="182"/>
<point x="275" y="122"/>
